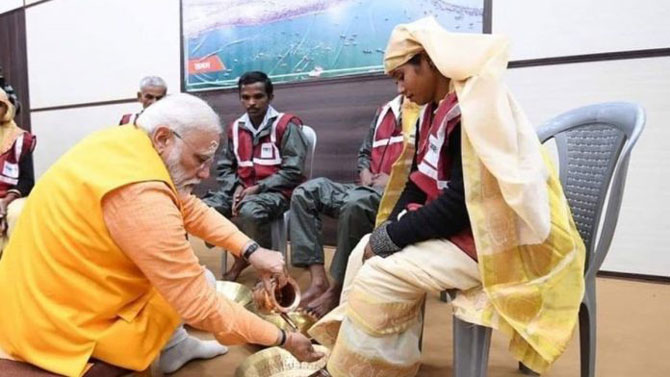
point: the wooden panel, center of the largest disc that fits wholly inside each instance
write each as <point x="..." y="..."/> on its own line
<point x="340" y="111"/>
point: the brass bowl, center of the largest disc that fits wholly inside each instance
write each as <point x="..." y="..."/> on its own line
<point x="278" y="362"/>
<point x="301" y="319"/>
<point x="236" y="292"/>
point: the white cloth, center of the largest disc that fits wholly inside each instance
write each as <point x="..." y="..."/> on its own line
<point x="401" y="279"/>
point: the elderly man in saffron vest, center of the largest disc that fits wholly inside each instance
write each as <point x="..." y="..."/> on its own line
<point x="98" y="271"/>
<point x="261" y="164"/>
<point x="353" y="204"/>
<point x="16" y="146"/>
<point x="483" y="212"/>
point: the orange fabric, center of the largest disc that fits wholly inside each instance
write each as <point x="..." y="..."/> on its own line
<point x="144" y="220"/>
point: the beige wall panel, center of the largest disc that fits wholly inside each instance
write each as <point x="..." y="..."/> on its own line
<point x="641" y="241"/>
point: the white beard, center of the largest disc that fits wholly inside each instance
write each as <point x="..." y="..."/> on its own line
<point x="182" y="183"/>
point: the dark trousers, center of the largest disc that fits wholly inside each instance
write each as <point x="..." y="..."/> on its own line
<point x="353" y="205"/>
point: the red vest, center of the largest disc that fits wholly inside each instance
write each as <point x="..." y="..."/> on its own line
<point x="433" y="161"/>
<point x="256" y="162"/>
<point x="129" y="119"/>
<point x="387" y="141"/>
<point x="24" y="143"/>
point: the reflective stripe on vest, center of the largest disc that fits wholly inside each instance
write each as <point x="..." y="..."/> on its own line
<point x="387" y="139"/>
<point x="432" y="157"/>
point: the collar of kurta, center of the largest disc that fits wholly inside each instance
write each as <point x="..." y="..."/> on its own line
<point x="269" y="117"/>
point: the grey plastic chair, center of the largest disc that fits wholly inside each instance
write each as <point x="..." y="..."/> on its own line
<point x="279" y="226"/>
<point x="594" y="145"/>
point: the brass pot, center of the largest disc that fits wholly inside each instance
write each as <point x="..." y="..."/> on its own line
<point x="278" y="362"/>
<point x="281" y="300"/>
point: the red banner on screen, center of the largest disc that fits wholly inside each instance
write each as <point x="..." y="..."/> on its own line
<point x="206" y="65"/>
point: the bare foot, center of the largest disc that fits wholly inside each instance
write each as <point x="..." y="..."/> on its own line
<point x="315" y="290"/>
<point x="235" y="271"/>
<point x="326" y="302"/>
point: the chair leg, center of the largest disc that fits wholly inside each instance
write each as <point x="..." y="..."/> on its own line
<point x="587" y="331"/>
<point x="224" y="261"/>
<point x="284" y="234"/>
<point x="471" y="349"/>
<point x="279" y="234"/>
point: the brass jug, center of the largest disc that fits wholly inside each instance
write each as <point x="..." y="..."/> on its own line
<point x="281" y="300"/>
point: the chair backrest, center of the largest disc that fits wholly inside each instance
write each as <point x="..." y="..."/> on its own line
<point x="594" y="144"/>
<point x="310" y="134"/>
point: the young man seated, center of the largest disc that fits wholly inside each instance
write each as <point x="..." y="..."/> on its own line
<point x="483" y="212"/>
<point x="353" y="204"/>
<point x="261" y="164"/>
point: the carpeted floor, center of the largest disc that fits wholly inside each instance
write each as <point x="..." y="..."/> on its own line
<point x="633" y="333"/>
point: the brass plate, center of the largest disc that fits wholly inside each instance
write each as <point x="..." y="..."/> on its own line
<point x="278" y="362"/>
<point x="236" y="292"/>
<point x="301" y="319"/>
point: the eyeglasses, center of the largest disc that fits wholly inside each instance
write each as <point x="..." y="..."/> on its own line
<point x="203" y="160"/>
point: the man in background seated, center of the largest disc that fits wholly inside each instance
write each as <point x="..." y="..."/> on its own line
<point x="353" y="204"/>
<point x="152" y="89"/>
<point x="99" y="269"/>
<point x="16" y="181"/>
<point x="261" y="164"/>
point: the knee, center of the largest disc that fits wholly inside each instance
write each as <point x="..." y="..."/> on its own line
<point x="308" y="192"/>
<point x="301" y="197"/>
<point x="251" y="213"/>
<point x="355" y="208"/>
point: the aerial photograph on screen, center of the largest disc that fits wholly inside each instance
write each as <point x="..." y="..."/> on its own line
<point x="297" y="40"/>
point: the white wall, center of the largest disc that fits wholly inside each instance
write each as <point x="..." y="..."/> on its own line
<point x="544" y="28"/>
<point x="59" y="130"/>
<point x="82" y="51"/>
<point x="88" y="51"/>
<point x="547" y="28"/>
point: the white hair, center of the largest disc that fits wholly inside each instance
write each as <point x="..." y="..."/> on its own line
<point x="180" y="112"/>
<point x="154" y="81"/>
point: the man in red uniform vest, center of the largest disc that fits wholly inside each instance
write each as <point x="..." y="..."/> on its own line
<point x="263" y="161"/>
<point x="353" y="204"/>
<point x="152" y="88"/>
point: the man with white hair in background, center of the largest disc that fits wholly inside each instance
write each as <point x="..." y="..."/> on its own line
<point x="99" y="274"/>
<point x="152" y="89"/>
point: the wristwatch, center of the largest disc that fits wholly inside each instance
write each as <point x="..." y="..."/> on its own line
<point x="250" y="250"/>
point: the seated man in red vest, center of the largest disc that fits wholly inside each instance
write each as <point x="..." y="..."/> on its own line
<point x="16" y="181"/>
<point x="353" y="204"/>
<point x="152" y="88"/>
<point x="261" y="164"/>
